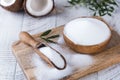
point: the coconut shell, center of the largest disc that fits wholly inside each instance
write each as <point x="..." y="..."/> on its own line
<point x="17" y="6"/>
<point x="87" y="49"/>
<point x="25" y="9"/>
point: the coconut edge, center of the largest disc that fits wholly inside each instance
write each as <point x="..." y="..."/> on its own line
<point x="15" y="7"/>
<point x="25" y="9"/>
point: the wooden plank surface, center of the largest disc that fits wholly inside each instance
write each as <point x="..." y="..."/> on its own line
<point x="103" y="60"/>
<point x="15" y="23"/>
<point x="10" y="26"/>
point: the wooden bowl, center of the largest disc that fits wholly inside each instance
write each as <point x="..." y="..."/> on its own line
<point x="89" y="49"/>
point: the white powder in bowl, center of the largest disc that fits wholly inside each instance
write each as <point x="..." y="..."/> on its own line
<point x="87" y="31"/>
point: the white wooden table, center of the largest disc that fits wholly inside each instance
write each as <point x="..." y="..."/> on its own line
<point x="12" y="23"/>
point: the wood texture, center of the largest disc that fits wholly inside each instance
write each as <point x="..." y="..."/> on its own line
<point x="8" y="33"/>
<point x="102" y="60"/>
<point x="12" y="23"/>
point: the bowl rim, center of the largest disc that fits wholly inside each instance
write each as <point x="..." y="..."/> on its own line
<point x="98" y="18"/>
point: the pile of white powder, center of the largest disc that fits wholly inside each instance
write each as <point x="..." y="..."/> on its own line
<point x="74" y="61"/>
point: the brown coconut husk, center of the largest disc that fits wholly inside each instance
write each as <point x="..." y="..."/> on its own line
<point x="17" y="6"/>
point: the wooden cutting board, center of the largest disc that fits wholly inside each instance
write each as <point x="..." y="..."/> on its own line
<point x="103" y="60"/>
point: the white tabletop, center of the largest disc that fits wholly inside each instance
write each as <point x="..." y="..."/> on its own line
<point x="12" y="23"/>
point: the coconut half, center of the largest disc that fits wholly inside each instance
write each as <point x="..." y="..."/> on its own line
<point x="38" y="8"/>
<point x="12" y="5"/>
<point x="87" y="35"/>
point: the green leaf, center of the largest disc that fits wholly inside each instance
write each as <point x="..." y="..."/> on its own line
<point x="113" y="3"/>
<point x="47" y="40"/>
<point x="91" y="9"/>
<point x="101" y="7"/>
<point x="109" y="14"/>
<point x="54" y="36"/>
<point x="94" y="14"/>
<point x="111" y="9"/>
<point x="100" y="13"/>
<point x="72" y="3"/>
<point x="46" y="33"/>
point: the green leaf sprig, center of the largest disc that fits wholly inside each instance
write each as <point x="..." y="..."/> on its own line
<point x="100" y="7"/>
<point x="48" y="39"/>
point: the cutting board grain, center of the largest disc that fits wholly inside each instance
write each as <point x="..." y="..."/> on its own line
<point x="110" y="56"/>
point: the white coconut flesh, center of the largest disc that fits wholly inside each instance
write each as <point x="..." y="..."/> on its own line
<point x="53" y="56"/>
<point x="87" y="31"/>
<point x="39" y="7"/>
<point x="7" y="2"/>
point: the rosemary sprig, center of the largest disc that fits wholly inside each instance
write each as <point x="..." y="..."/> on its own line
<point x="99" y="7"/>
<point x="48" y="39"/>
<point x="46" y="33"/>
<point x="54" y="36"/>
